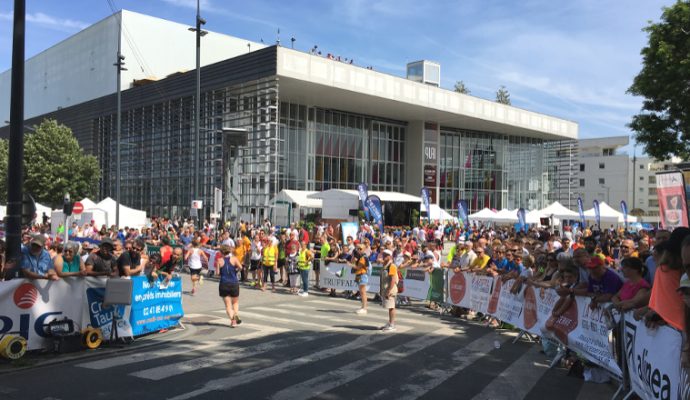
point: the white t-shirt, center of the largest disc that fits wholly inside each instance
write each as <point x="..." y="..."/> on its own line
<point x="229" y="242"/>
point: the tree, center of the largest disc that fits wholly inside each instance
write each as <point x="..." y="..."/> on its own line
<point x="663" y="124"/>
<point x="461" y="88"/>
<point x="55" y="164"/>
<point x="502" y="95"/>
<point x="4" y="154"/>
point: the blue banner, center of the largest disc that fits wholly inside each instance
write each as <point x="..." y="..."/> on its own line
<point x="624" y="209"/>
<point x="581" y="210"/>
<point x="597" y="215"/>
<point x="373" y="202"/>
<point x="426" y="198"/>
<point x="155" y="307"/>
<point x="521" y="218"/>
<point x="462" y="213"/>
<point x="363" y="191"/>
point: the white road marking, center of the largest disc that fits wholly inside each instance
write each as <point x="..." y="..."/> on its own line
<point x="518" y="379"/>
<point x="332" y="379"/>
<point x="261" y="373"/>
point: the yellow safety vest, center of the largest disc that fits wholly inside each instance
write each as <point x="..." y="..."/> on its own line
<point x="302" y="262"/>
<point x="270" y="256"/>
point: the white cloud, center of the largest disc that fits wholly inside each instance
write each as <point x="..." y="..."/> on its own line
<point x="48" y="21"/>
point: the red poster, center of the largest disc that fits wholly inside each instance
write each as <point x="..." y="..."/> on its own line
<point x="670" y="189"/>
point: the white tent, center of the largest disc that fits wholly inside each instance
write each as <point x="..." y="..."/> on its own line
<point x="439" y="214"/>
<point x="87" y="203"/>
<point x="484" y="214"/>
<point x="557" y="210"/>
<point x="506" y="216"/>
<point x="3" y="212"/>
<point x="288" y="206"/>
<point x="128" y="216"/>
<point x="533" y="217"/>
<point x="608" y="214"/>
<point x="40" y="209"/>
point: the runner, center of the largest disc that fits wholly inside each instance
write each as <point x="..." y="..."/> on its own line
<point x="229" y="287"/>
<point x="194" y="258"/>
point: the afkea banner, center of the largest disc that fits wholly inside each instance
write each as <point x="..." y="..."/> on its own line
<point x="426" y="198"/>
<point x="597" y="213"/>
<point x="670" y="189"/>
<point x="463" y="215"/>
<point x="581" y="210"/>
<point x="373" y="203"/>
<point x="624" y="210"/>
<point x="521" y="218"/>
<point x="363" y="191"/>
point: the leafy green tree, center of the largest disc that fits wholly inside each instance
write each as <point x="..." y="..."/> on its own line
<point x="663" y="124"/>
<point x="461" y="88"/>
<point x="54" y="164"/>
<point x="502" y="95"/>
<point x="4" y="153"/>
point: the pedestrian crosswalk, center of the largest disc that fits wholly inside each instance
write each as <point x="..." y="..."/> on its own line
<point x="318" y="347"/>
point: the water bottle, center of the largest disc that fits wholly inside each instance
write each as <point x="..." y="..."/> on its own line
<point x="497" y="341"/>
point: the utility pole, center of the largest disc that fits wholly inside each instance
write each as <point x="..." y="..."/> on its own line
<point x="197" y="103"/>
<point x="15" y="169"/>
<point x="119" y="63"/>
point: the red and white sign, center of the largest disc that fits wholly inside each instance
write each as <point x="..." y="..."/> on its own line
<point x="77" y="208"/>
<point x="670" y="189"/>
<point x="197" y="204"/>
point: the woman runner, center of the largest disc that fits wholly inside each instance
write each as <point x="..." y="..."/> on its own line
<point x="227" y="268"/>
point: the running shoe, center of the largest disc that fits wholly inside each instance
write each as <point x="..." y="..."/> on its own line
<point x="233" y="324"/>
<point x="361" y="311"/>
<point x="388" y="328"/>
<point x="237" y="319"/>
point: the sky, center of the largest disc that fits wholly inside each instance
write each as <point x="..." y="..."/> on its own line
<point x="571" y="59"/>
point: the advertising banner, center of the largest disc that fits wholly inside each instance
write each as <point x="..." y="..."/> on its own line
<point x="597" y="213"/>
<point x="100" y="316"/>
<point x="373" y="203"/>
<point x="581" y="211"/>
<point x="363" y="191"/>
<point x="654" y="369"/>
<point x="522" y="217"/>
<point x="417" y="283"/>
<point x="436" y="284"/>
<point x="155" y="307"/>
<point x="624" y="210"/>
<point x="349" y="229"/>
<point x="670" y="189"/>
<point x="427" y="201"/>
<point x="463" y="214"/>
<point x="337" y="276"/>
<point x="27" y="306"/>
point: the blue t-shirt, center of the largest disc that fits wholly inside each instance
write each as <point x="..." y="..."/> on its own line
<point x="610" y="283"/>
<point x="38" y="265"/>
<point x="186" y="239"/>
<point x="228" y="272"/>
<point x="512" y="266"/>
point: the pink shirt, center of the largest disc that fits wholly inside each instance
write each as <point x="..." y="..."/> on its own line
<point x="629" y="289"/>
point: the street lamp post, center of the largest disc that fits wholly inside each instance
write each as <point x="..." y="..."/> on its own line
<point x="119" y="64"/>
<point x="197" y="112"/>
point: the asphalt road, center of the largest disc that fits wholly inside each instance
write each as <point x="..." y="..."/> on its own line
<point x="289" y="347"/>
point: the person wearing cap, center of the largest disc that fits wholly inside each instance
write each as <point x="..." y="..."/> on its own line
<point x="389" y="288"/>
<point x="36" y="262"/>
<point x="603" y="283"/>
<point x="103" y="262"/>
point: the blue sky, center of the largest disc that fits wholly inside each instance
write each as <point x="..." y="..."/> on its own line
<point x="571" y="59"/>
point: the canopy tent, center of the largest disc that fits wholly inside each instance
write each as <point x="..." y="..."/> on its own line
<point x="557" y="210"/>
<point x="40" y="209"/>
<point x="506" y="216"/>
<point x="439" y="214"/>
<point x="484" y="215"/>
<point x="608" y="214"/>
<point x="338" y="202"/>
<point x="129" y="217"/>
<point x="287" y="206"/>
<point x="534" y="216"/>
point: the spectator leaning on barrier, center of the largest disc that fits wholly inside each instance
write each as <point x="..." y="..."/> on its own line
<point x="684" y="292"/>
<point x="69" y="263"/>
<point x="36" y="262"/>
<point x="102" y="262"/>
<point x="635" y="290"/>
<point x="132" y="262"/>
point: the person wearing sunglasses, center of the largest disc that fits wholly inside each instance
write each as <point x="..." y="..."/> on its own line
<point x="132" y="262"/>
<point x="69" y="263"/>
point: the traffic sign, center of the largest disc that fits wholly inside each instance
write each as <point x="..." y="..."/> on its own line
<point x="77" y="208"/>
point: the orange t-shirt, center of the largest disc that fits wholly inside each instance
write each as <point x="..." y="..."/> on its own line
<point x="362" y="266"/>
<point x="665" y="300"/>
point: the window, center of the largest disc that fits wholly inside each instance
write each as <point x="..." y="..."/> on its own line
<point x="652" y="179"/>
<point x="653" y="203"/>
<point x="601" y="165"/>
<point x="607" y="152"/>
<point x="582" y="167"/>
<point x="652" y="191"/>
<point x="582" y="183"/>
<point x="642" y="178"/>
<point x="641" y="166"/>
<point x="602" y="181"/>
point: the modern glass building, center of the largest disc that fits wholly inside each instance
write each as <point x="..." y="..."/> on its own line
<point x="274" y="118"/>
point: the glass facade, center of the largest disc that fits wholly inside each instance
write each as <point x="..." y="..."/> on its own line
<point x="490" y="170"/>
<point x="326" y="149"/>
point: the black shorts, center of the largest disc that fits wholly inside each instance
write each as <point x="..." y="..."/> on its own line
<point x="316" y="265"/>
<point x="254" y="265"/>
<point x="229" y="289"/>
<point x="195" y="271"/>
<point x="281" y="263"/>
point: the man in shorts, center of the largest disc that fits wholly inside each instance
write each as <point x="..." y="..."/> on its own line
<point x="389" y="288"/>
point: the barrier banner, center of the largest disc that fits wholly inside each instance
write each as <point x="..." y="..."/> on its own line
<point x="155" y="307"/>
<point x="436" y="284"/>
<point x="100" y="316"/>
<point x="654" y="361"/>
<point x="337" y="276"/>
<point x="27" y="306"/>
